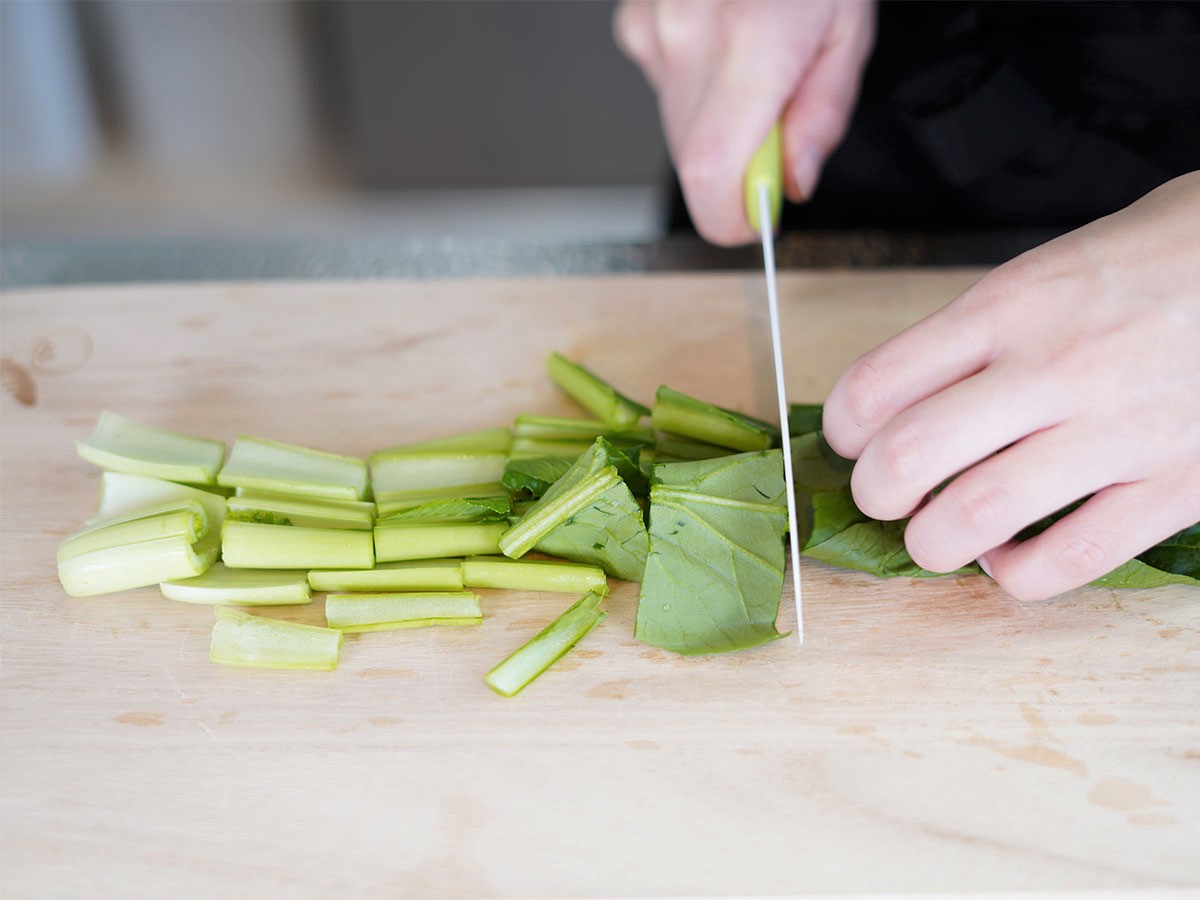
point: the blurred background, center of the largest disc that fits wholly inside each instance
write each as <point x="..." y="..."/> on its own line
<point x="129" y="119"/>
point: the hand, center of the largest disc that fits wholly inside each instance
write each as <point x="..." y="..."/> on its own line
<point x="1072" y="370"/>
<point x="727" y="70"/>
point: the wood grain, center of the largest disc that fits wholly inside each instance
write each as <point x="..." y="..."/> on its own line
<point x="930" y="736"/>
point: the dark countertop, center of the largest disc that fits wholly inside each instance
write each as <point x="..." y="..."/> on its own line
<point x="214" y="259"/>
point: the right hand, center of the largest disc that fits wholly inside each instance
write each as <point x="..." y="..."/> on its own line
<point x="726" y="70"/>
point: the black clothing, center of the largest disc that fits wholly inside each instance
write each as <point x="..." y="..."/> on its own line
<point x="993" y="115"/>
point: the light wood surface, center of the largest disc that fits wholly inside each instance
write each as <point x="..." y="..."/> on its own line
<point x="930" y="735"/>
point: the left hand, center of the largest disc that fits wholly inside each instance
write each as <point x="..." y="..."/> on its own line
<point x="1072" y="370"/>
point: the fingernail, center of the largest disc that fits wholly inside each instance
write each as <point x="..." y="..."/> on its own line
<point x="808" y="167"/>
<point x="987" y="569"/>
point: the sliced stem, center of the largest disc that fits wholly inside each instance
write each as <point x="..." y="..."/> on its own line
<point x="132" y="566"/>
<point x="465" y="510"/>
<point x="385" y="612"/>
<point x="307" y="513"/>
<point x="532" y="575"/>
<point x="242" y="639"/>
<point x="122" y="496"/>
<point x="395" y="473"/>
<point x="487" y="440"/>
<point x="392" y="502"/>
<point x="241" y="587"/>
<point x="416" y="575"/>
<point x="560" y="428"/>
<point x="546" y="647"/>
<point x="553" y="511"/>
<point x="683" y="415"/>
<point x="123" y="445"/>
<point x="248" y="545"/>
<point x="594" y="394"/>
<point x="187" y="520"/>
<point x="262" y="465"/>
<point x="401" y="542"/>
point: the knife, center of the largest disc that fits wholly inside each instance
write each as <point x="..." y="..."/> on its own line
<point x="763" y="196"/>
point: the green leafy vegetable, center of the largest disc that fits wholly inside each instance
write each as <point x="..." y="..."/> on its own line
<point x="714" y="578"/>
<point x="533" y="477"/>
<point x="804" y="418"/>
<point x="589" y="515"/>
<point x="594" y="394"/>
<point x="529" y="661"/>
<point x="123" y="445"/>
<point x="1178" y="554"/>
<point x="241" y="639"/>
<point x="691" y="418"/>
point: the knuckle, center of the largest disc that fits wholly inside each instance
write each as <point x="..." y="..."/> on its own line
<point x="902" y="452"/>
<point x="982" y="508"/>
<point x="1080" y="556"/>
<point x="864" y="393"/>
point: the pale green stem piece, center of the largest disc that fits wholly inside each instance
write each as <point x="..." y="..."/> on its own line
<point x="248" y="545"/>
<point x="405" y="473"/>
<point x="307" y="513"/>
<point x="123" y="445"/>
<point x="546" y="647"/>
<point x="691" y="418"/>
<point x="402" y="542"/>
<point x="392" y="502"/>
<point x="264" y="465"/>
<point x="242" y="639"/>
<point x="532" y="575"/>
<point x="416" y="575"/>
<point x="594" y="394"/>
<point x="386" y="612"/>
<point x="552" y="512"/>
<point x="487" y="440"/>
<point x="241" y="587"/>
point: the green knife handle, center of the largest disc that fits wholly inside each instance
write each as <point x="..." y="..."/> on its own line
<point x="766" y="167"/>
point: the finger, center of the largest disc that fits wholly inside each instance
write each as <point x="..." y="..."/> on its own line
<point x="745" y="96"/>
<point x="1111" y="528"/>
<point x="945" y="434"/>
<point x="817" y="117"/>
<point x="988" y="504"/>
<point x="952" y="344"/>
<point x="635" y="33"/>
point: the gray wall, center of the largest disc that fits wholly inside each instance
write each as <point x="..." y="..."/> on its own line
<point x="492" y="92"/>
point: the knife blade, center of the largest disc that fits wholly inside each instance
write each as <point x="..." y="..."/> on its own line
<point x="763" y="195"/>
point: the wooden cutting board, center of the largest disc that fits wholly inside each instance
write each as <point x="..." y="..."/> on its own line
<point x="931" y="735"/>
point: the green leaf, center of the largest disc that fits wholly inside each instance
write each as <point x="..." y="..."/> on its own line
<point x="1137" y="574"/>
<point x="874" y="547"/>
<point x="533" y="477"/>
<point x="804" y="418"/>
<point x="714" y="577"/>
<point x="1178" y="554"/>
